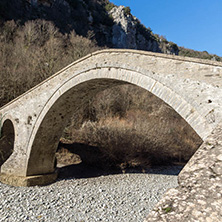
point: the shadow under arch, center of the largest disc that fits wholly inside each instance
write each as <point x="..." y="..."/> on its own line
<point x="7" y="138"/>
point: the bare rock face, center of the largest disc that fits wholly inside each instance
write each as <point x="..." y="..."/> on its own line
<point x="124" y="29"/>
<point x="128" y="32"/>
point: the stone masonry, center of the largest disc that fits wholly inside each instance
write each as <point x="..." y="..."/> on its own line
<point x="34" y="122"/>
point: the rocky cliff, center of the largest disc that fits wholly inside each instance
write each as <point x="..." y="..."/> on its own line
<point x="128" y="32"/>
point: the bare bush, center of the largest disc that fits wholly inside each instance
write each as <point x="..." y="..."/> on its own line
<point x="132" y="127"/>
<point x="31" y="53"/>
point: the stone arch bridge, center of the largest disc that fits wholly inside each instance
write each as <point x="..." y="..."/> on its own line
<point x="34" y="121"/>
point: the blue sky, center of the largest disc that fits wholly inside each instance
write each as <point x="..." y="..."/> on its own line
<point x="194" y="24"/>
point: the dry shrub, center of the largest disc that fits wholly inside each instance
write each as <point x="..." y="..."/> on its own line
<point x="66" y="158"/>
<point x="32" y="52"/>
<point x="132" y="127"/>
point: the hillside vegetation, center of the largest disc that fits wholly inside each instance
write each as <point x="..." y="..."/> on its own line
<point x="32" y="52"/>
<point x="128" y="125"/>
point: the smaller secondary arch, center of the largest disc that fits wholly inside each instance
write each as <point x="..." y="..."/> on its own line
<point x="81" y="86"/>
<point x="7" y="139"/>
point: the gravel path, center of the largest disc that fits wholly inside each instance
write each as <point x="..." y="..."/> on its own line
<point x="118" y="197"/>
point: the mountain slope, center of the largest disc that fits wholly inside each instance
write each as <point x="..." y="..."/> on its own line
<point x="109" y="25"/>
<point x="39" y="37"/>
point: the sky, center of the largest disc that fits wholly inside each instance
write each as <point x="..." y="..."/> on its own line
<point x="194" y="24"/>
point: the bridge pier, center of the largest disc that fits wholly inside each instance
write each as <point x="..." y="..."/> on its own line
<point x="15" y="170"/>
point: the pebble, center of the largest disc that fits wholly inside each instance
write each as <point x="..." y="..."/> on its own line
<point x="120" y="197"/>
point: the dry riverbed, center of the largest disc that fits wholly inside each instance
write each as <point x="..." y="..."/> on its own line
<point x="97" y="197"/>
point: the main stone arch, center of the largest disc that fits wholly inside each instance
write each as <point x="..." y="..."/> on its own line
<point x="41" y="114"/>
<point x="59" y="109"/>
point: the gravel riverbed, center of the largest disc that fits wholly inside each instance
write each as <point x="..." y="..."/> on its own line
<point x="115" y="197"/>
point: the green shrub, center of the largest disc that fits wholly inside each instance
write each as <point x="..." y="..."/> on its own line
<point x="167" y="209"/>
<point x="127" y="11"/>
<point x="198" y="54"/>
<point x="109" y="6"/>
<point x="174" y="46"/>
<point x="73" y="3"/>
<point x="146" y="32"/>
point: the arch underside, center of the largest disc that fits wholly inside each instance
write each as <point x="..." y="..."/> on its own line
<point x="7" y="138"/>
<point x="69" y="98"/>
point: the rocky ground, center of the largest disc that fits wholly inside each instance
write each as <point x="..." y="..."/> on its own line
<point x="91" y="196"/>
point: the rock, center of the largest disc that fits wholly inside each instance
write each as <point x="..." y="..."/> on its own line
<point x="129" y="33"/>
<point x="124" y="29"/>
<point x="219" y="157"/>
